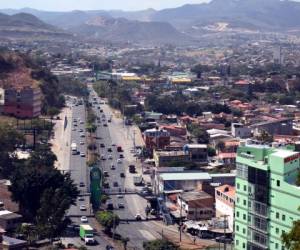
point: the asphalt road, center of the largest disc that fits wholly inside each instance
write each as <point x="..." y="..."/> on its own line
<point x="116" y="134"/>
<point x="79" y="173"/>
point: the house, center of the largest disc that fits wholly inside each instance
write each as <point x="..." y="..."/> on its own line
<point x="225" y="202"/>
<point x="163" y="158"/>
<point x="238" y="130"/>
<point x="226" y="158"/>
<point x="174" y="130"/>
<point x="9" y="220"/>
<point x="197" y="152"/>
<point x="198" y="205"/>
<point x="283" y="126"/>
<point x="156" y="139"/>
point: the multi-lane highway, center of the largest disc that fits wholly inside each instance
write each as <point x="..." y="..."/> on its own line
<point x="112" y="133"/>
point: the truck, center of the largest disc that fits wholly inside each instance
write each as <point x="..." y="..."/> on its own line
<point x="74" y="148"/>
<point x="86" y="233"/>
<point x="131" y="169"/>
<point x="138" y="180"/>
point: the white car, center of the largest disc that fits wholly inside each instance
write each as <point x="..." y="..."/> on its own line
<point x="82" y="154"/>
<point x="81" y="143"/>
<point x="74" y="129"/>
<point x="84" y="219"/>
<point x="82" y="135"/>
<point x="81" y="122"/>
<point x="120" y="196"/>
<point x="119" y="161"/>
<point x="82" y="208"/>
<point x="113" y="167"/>
<point x="110" y="157"/>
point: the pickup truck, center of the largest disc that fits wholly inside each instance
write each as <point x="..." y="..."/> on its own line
<point x="86" y="233"/>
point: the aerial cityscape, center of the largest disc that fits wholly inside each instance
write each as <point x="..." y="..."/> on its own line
<point x="155" y="125"/>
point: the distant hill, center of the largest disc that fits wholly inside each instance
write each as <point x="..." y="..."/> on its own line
<point x="176" y="24"/>
<point x="26" y="25"/>
<point x="123" y="30"/>
<point x="253" y="14"/>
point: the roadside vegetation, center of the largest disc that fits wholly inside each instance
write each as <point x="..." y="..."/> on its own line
<point x="43" y="193"/>
<point x="160" y="245"/>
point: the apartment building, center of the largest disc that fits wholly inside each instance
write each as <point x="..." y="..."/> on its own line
<point x="267" y="198"/>
<point x="24" y="102"/>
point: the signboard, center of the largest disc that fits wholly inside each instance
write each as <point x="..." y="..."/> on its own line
<point x="292" y="158"/>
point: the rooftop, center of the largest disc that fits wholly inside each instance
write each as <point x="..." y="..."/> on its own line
<point x="185" y="176"/>
<point x="227" y="190"/>
<point x="195" y="195"/>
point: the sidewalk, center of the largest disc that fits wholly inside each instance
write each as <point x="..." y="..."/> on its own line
<point x="60" y="142"/>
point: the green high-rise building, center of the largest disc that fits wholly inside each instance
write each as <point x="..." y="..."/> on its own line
<point x="267" y="198"/>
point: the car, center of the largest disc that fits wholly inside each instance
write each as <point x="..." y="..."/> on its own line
<point x="103" y="157"/>
<point x="106" y="174"/>
<point x="106" y="185"/>
<point x="82" y="154"/>
<point x="82" y="208"/>
<point x="74" y="129"/>
<point x="81" y="130"/>
<point x="138" y="217"/>
<point x="119" y="196"/>
<point x="109" y="150"/>
<point x="81" y="198"/>
<point x="121" y="156"/>
<point x="75" y="124"/>
<point x="121" y="205"/>
<point x="113" y="145"/>
<point x="82" y="135"/>
<point x="81" y="142"/>
<point x="83" y="219"/>
<point x="122" y="175"/>
<point x="81" y="184"/>
<point x="115" y="184"/>
<point x="104" y="125"/>
<point x="119" y="161"/>
<point x="112" y="167"/>
<point x="82" y="122"/>
<point x="102" y="145"/>
<point x="110" y="157"/>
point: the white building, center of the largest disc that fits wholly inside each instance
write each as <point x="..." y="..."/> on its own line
<point x="225" y="200"/>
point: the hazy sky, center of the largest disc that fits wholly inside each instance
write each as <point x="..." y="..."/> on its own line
<point x="62" y="5"/>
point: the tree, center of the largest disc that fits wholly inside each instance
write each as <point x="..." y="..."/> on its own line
<point x="159" y="245"/>
<point x="43" y="192"/>
<point x="298" y="179"/>
<point x="291" y="240"/>
<point x="10" y="139"/>
<point x="108" y="219"/>
<point x="199" y="133"/>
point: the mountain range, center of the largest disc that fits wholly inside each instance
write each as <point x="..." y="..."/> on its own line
<point x="26" y="25"/>
<point x="177" y="24"/>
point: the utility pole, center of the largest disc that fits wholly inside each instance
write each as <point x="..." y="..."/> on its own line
<point x="180" y="223"/>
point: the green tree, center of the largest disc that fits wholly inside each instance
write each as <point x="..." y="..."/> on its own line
<point x="298" y="179"/>
<point x="160" y="245"/>
<point x="43" y="192"/>
<point x="291" y="240"/>
<point x="108" y="219"/>
<point x="10" y="139"/>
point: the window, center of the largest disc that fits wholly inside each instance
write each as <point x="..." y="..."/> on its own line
<point x="238" y="186"/>
<point x="277" y="230"/>
<point x="278" y="183"/>
<point x="244" y="245"/>
<point x="238" y="200"/>
<point x="245" y="188"/>
<point x="276" y="245"/>
<point x="237" y="228"/>
<point x="244" y="231"/>
<point x="237" y="214"/>
<point x="283" y="217"/>
<point x="245" y="202"/>
<point x="244" y="217"/>
<point x="277" y="215"/>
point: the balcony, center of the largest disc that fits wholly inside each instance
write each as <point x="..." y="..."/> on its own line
<point x="258" y="208"/>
